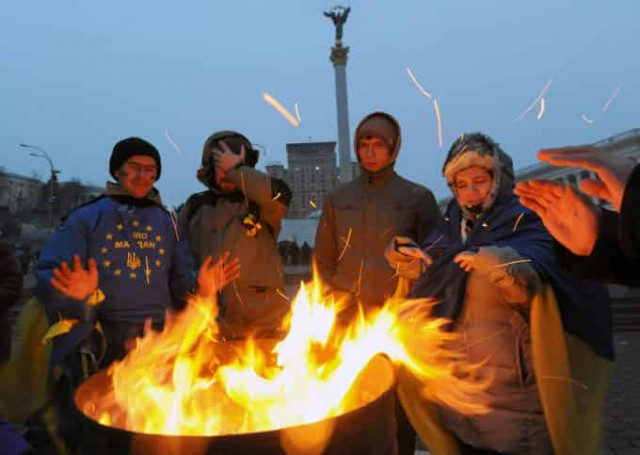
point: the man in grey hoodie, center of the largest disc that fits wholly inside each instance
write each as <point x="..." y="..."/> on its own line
<point x="361" y="217"/>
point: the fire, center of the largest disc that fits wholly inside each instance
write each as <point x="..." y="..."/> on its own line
<point x="185" y="381"/>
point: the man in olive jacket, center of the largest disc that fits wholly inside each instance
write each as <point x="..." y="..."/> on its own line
<point x="241" y="212"/>
<point x="361" y="217"/>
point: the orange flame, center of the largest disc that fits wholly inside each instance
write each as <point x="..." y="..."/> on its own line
<point x="184" y="381"/>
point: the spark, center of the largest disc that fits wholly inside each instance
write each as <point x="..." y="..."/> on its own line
<point x="147" y="270"/>
<point x="434" y="243"/>
<point x="235" y="289"/>
<point x="437" y="109"/>
<point x="506" y="264"/>
<point x="611" y="98"/>
<point x="298" y="113"/>
<point x="417" y="84"/>
<point x="280" y="108"/>
<point x="312" y="204"/>
<point x="347" y="244"/>
<point x="482" y="340"/>
<point x="282" y="294"/>
<point x="171" y="141"/>
<point x="385" y="232"/>
<point x="573" y="381"/>
<point x="359" y="282"/>
<point x="536" y="101"/>
<point x="584" y="117"/>
<point x="276" y="197"/>
<point x="515" y="226"/>
<point x="174" y="220"/>
<point x="543" y="104"/>
<point x="244" y="189"/>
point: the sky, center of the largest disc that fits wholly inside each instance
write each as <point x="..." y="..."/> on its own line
<point x="78" y="76"/>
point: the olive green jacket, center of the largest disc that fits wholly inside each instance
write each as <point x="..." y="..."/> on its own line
<point x="358" y="220"/>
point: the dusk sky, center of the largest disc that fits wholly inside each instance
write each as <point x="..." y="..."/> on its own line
<point x="77" y="76"/>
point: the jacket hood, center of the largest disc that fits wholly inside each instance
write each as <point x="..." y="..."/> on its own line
<point x="477" y="149"/>
<point x="382" y="125"/>
<point x="235" y="141"/>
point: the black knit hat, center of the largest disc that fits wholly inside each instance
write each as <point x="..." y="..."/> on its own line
<point x="129" y="147"/>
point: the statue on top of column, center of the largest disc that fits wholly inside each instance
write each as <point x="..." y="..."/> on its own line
<point x="338" y="15"/>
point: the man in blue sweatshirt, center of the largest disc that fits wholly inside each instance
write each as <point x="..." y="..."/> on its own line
<point x="137" y="264"/>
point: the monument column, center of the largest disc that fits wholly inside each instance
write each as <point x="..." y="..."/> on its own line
<point x="339" y="54"/>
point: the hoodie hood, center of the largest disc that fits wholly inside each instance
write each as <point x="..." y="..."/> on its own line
<point x="476" y="149"/>
<point x="386" y="127"/>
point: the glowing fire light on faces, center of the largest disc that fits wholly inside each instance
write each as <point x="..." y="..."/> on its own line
<point x="280" y="108"/>
<point x="183" y="381"/>
<point x="536" y="101"/>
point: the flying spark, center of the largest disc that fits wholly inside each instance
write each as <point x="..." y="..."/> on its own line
<point x="298" y="113"/>
<point x="175" y="146"/>
<point x="611" y="98"/>
<point x="417" y="84"/>
<point x="437" y="109"/>
<point x="434" y="243"/>
<point x="584" y="117"/>
<point x="312" y="204"/>
<point x="515" y="226"/>
<point x="280" y="108"/>
<point x="543" y="104"/>
<point x="506" y="264"/>
<point x="347" y="244"/>
<point x="282" y="294"/>
<point x="536" y="101"/>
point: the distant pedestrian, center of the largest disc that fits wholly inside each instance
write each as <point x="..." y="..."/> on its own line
<point x="10" y="289"/>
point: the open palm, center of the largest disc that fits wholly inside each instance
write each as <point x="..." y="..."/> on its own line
<point x="569" y="216"/>
<point x="77" y="282"/>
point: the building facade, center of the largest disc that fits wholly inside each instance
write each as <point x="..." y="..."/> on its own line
<point x="311" y="175"/>
<point x="18" y="192"/>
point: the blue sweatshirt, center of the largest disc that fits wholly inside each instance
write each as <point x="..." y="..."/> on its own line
<point x="139" y="256"/>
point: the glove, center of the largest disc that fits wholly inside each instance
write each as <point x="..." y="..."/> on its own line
<point x="407" y="258"/>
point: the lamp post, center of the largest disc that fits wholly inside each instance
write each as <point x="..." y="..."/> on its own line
<point x="42" y="153"/>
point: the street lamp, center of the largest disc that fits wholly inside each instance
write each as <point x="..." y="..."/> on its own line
<point x="42" y="153"/>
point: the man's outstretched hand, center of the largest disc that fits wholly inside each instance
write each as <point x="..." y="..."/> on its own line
<point x="613" y="171"/>
<point x="76" y="283"/>
<point x="214" y="277"/>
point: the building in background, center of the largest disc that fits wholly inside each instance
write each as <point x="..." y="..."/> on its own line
<point x="311" y="175"/>
<point x="18" y="192"/>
